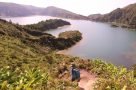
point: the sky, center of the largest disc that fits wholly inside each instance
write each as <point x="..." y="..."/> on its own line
<point x="84" y="7"/>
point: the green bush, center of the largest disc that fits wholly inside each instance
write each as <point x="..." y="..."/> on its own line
<point x="112" y="77"/>
<point x="30" y="79"/>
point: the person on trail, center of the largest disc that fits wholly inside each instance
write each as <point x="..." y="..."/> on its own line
<point x="75" y="73"/>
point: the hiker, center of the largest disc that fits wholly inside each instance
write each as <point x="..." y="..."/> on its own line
<point x="75" y="73"/>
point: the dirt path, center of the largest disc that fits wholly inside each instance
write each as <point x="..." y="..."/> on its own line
<point x="87" y="80"/>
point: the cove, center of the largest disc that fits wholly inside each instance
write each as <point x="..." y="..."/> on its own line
<point x="100" y="40"/>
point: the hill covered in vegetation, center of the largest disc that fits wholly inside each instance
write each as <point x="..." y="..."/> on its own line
<point x="125" y="17"/>
<point x="26" y="63"/>
<point x="48" y="24"/>
<point x="33" y="33"/>
<point x="17" y="10"/>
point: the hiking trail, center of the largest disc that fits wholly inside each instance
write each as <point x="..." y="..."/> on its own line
<point x="87" y="80"/>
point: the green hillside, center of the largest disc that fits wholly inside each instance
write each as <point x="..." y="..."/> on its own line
<point x="48" y="24"/>
<point x="27" y="63"/>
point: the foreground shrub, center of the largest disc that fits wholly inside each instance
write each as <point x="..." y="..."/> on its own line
<point x="112" y="77"/>
<point x="30" y="79"/>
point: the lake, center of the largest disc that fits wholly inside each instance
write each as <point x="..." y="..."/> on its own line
<point x="100" y="40"/>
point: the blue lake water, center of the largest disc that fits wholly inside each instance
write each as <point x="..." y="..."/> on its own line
<point x="100" y="40"/>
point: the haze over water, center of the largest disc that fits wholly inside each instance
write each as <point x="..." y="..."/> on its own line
<point x="100" y="40"/>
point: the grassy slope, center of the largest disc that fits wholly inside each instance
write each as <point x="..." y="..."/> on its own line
<point x="17" y="51"/>
<point x="17" y="54"/>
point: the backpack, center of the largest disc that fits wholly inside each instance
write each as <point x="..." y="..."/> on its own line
<point x="75" y="74"/>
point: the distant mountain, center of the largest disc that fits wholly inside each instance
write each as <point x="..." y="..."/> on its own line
<point x="58" y="12"/>
<point x="94" y="16"/>
<point x="14" y="10"/>
<point x="125" y="16"/>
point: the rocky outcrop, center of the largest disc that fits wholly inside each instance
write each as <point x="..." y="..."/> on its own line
<point x="65" y="40"/>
